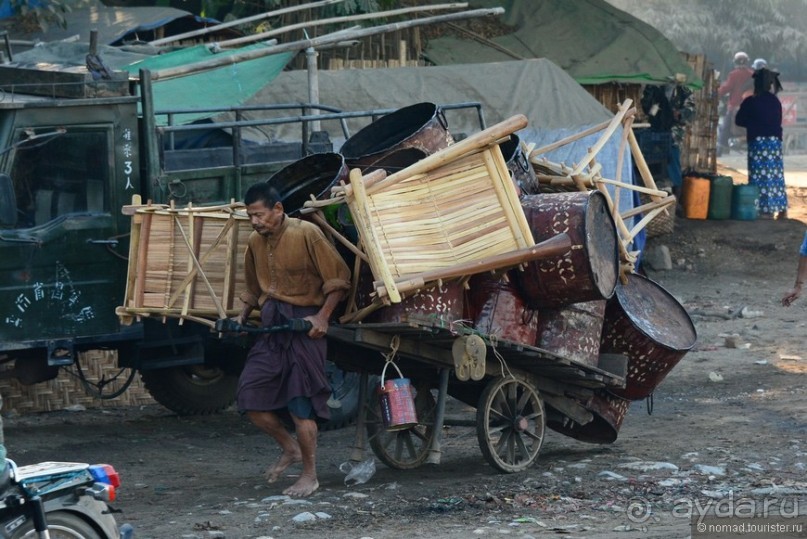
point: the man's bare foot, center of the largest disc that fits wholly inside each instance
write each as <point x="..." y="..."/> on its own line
<point x="305" y="486"/>
<point x="285" y="460"/>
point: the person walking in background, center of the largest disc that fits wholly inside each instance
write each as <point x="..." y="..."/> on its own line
<point x="291" y="270"/>
<point x="801" y="275"/>
<point x="761" y="115"/>
<point x="759" y="63"/>
<point x="736" y="85"/>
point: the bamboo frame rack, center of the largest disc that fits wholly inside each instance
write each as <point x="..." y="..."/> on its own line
<point x="587" y="175"/>
<point x="185" y="263"/>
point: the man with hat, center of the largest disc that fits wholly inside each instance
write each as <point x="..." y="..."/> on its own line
<point x="735" y="86"/>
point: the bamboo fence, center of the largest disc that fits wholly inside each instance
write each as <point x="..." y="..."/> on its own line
<point x="66" y="392"/>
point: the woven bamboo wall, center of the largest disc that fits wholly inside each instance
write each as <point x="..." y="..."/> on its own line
<point x="66" y="390"/>
<point x="699" y="151"/>
<point x="613" y="94"/>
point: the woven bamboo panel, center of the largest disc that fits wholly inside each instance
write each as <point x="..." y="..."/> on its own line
<point x="443" y="217"/>
<point x="447" y="217"/>
<point x="66" y="390"/>
<point x="186" y="262"/>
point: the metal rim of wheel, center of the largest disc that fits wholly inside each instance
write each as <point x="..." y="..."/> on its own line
<point x="408" y="448"/>
<point x="510" y="423"/>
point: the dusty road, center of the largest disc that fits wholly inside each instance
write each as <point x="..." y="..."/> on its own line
<point x="728" y="424"/>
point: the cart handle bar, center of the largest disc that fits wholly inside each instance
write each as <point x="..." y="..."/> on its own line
<point x="228" y="325"/>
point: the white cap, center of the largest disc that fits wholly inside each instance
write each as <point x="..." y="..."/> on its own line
<point x="759" y="63"/>
<point x="740" y="57"/>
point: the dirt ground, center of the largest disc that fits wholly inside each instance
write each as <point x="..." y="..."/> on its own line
<point x="728" y="424"/>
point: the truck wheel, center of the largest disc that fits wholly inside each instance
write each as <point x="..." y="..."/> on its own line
<point x="191" y="389"/>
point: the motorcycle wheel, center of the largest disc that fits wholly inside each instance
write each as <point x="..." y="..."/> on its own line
<point x="61" y="525"/>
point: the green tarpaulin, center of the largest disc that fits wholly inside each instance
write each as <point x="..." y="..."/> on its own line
<point x="590" y="39"/>
<point x="225" y="86"/>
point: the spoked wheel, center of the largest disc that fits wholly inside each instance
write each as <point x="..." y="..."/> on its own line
<point x="510" y="424"/>
<point x="408" y="448"/>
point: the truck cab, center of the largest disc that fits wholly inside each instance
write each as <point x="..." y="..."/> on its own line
<point x="67" y="165"/>
<point x="73" y="152"/>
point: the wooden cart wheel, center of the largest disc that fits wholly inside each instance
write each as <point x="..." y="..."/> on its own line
<point x="510" y="423"/>
<point x="403" y="449"/>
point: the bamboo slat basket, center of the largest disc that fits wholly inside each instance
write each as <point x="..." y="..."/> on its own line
<point x="456" y="206"/>
<point x="185" y="263"/>
<point x="664" y="222"/>
<point x="66" y="390"/>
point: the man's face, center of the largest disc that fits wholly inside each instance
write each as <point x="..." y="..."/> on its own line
<point x="265" y="221"/>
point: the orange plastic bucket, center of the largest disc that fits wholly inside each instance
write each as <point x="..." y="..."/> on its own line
<point x="696" y="197"/>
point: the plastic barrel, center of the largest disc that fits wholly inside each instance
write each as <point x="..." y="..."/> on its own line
<point x="696" y="197"/>
<point x="720" y="197"/>
<point x="744" y="202"/>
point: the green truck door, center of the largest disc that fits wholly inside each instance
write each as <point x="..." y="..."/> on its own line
<point x="61" y="270"/>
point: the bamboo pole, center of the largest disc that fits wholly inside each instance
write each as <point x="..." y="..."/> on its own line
<point x="371" y="241"/>
<point x="641" y="164"/>
<point x="567" y="140"/>
<point x="244" y="20"/>
<point x="553" y="246"/>
<point x="616" y="121"/>
<point x="354" y="283"/>
<point x="192" y="255"/>
<point x="647" y="207"/>
<point x="193" y="271"/>
<point x="485" y="41"/>
<point x="361" y="314"/>
<point x="622" y="230"/>
<point x="230" y="264"/>
<point x="219" y="308"/>
<point x="336" y="20"/>
<point x="316" y="42"/>
<point x="645" y="220"/>
<point x="623" y="144"/>
<point x="646" y="190"/>
<point x="506" y="193"/>
<point x="316" y="216"/>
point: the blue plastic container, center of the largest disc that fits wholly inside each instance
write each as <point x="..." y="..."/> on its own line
<point x="745" y="202"/>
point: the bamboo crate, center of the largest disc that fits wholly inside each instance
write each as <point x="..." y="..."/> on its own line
<point x="452" y="208"/>
<point x="185" y="263"/>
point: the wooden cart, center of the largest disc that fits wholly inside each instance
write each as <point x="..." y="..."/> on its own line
<point x="522" y="388"/>
<point x="462" y="207"/>
<point x="450" y="215"/>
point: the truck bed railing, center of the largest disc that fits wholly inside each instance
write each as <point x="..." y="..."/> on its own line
<point x="305" y="119"/>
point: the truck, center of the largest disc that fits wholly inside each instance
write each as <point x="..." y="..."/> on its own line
<point x="73" y="151"/>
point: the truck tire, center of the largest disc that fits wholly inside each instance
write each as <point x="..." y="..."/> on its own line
<point x="191" y="389"/>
